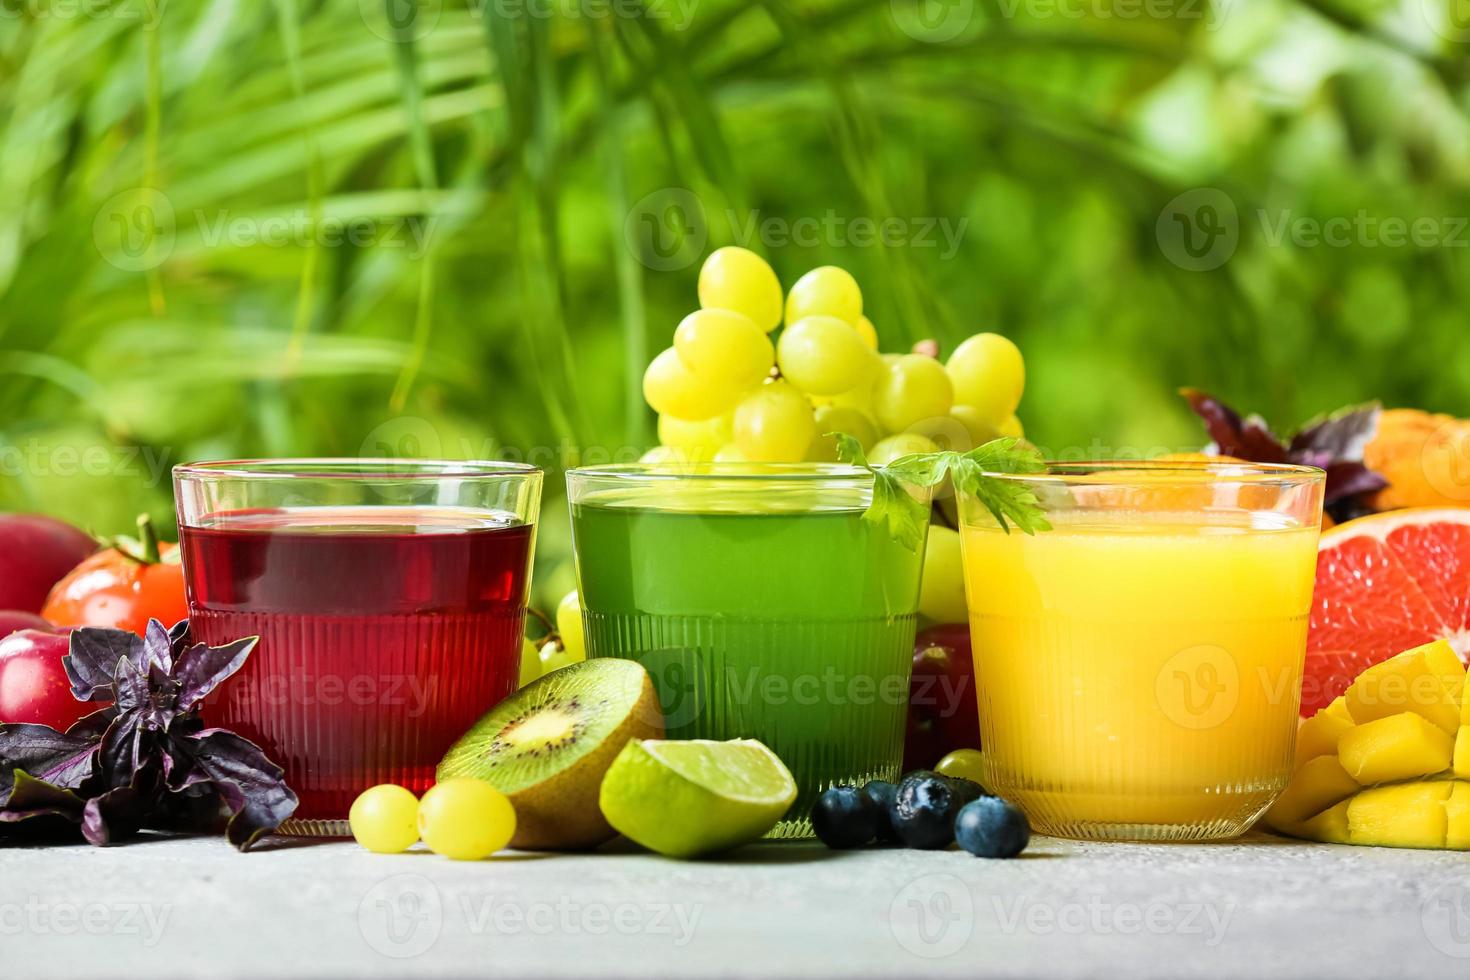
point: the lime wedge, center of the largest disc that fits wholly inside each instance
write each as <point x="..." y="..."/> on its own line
<point x="685" y="799"/>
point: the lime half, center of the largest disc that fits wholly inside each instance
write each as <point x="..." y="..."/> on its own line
<point x="684" y="799"/>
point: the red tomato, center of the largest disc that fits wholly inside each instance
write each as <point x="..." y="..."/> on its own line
<point x="34" y="689"/>
<point x="122" y="588"/>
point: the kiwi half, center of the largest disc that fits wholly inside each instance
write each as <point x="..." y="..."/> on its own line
<point x="548" y="745"/>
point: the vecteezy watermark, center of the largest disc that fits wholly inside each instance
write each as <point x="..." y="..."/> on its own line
<point x="404" y="916"/>
<point x="1198" y="687"/>
<point x="502" y="915"/>
<point x="413" y="694"/>
<point x="413" y="20"/>
<point x="1097" y="917"/>
<point x="38" y="458"/>
<point x="1200" y="230"/>
<point x="932" y="916"/>
<point x="1363" y="230"/>
<point x="1445" y="916"/>
<point x="941" y="21"/>
<point x="1445" y="460"/>
<point x="669" y="228"/>
<point x="137" y="230"/>
<point x="147" y="13"/>
<point x="144" y="920"/>
<point x="1450" y="19"/>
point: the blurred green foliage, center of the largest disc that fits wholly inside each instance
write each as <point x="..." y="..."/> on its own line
<point x="234" y="228"/>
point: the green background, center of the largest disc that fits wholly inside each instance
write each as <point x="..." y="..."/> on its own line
<point x="235" y="228"/>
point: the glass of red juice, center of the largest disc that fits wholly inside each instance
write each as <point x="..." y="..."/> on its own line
<point x="389" y="597"/>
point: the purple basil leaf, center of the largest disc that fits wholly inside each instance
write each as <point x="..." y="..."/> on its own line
<point x="1346" y="480"/>
<point x="248" y="783"/>
<point x="119" y="813"/>
<point x="158" y="646"/>
<point x="130" y="688"/>
<point x="32" y="797"/>
<point x="92" y="659"/>
<point x="1247" y="439"/>
<point x="93" y="726"/>
<point x="65" y="760"/>
<point x="178" y="636"/>
<point x="1341" y="436"/>
<point x="201" y="669"/>
<point x="120" y="752"/>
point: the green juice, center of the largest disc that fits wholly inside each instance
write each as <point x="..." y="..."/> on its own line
<point x="793" y="625"/>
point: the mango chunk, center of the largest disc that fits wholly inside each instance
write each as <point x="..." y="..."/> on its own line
<point x="1338" y="709"/>
<point x="1330" y="826"/>
<point x="1462" y="753"/>
<point x="1319" y="735"/>
<point x="1402" y="746"/>
<point x="1457" y="817"/>
<point x="1465" y="702"/>
<point x="1402" y="815"/>
<point x="1318" y="784"/>
<point x="1442" y="659"/>
<point x="1406" y="682"/>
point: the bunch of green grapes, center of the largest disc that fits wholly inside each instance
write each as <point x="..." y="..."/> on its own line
<point x="726" y="393"/>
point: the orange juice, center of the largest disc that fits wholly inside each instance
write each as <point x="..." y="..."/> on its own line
<point x="1139" y="671"/>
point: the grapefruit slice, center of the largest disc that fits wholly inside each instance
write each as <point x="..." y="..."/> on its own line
<point x="1386" y="583"/>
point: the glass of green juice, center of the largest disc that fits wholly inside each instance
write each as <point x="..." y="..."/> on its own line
<point x="763" y="603"/>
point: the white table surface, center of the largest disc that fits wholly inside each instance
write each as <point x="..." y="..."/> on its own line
<point x="1261" y="907"/>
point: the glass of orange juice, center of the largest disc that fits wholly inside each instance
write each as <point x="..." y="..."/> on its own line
<point x="1139" y="664"/>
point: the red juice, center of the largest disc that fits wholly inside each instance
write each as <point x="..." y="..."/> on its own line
<point x="385" y="633"/>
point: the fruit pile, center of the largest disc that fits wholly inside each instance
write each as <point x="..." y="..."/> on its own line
<point x="53" y="578"/>
<point x="924" y="811"/>
<point x="1385" y="582"/>
<point x="1388" y="762"/>
<point x="572" y="760"/>
<point x="725" y="393"/>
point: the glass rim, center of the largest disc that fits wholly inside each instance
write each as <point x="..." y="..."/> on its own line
<point x="1123" y="473"/>
<point x="655" y="472"/>
<point x="354" y="468"/>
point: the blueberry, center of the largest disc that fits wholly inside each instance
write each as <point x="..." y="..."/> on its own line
<point x="991" y="827"/>
<point x="924" y="810"/>
<point x="882" y="792"/>
<point x="967" y="790"/>
<point x="844" y="817"/>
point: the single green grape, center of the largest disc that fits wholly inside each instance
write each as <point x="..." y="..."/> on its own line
<point x="825" y="291"/>
<point x="569" y="625"/>
<point x="774" y="424"/>
<point x="946" y="432"/>
<point x="672" y="389"/>
<point x="466" y="819"/>
<point x="823" y="355"/>
<point x="737" y="279"/>
<point x="897" y="446"/>
<point x="965" y="764"/>
<point x="838" y="418"/>
<point x="384" y="819"/>
<point x="868" y="332"/>
<point x="1012" y="427"/>
<point x="530" y="663"/>
<point x="730" y="453"/>
<point x="942" y="589"/>
<point x="911" y="388"/>
<point x="724" y="347"/>
<point x="668" y="456"/>
<point x="989" y="373"/>
<point x="860" y="398"/>
<point x="981" y="429"/>
<point x="698" y="440"/>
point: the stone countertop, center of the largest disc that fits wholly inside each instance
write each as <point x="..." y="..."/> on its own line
<point x="1259" y="907"/>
